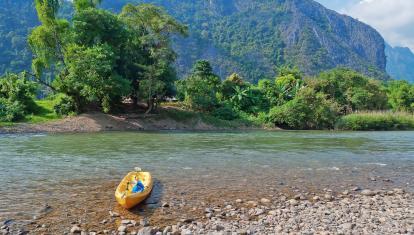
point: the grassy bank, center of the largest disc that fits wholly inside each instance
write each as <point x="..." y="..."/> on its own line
<point x="45" y="113"/>
<point x="366" y="121"/>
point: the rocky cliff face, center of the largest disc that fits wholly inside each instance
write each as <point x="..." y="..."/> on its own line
<point x="400" y="63"/>
<point x="251" y="37"/>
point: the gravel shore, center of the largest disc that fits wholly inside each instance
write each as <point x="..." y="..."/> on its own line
<point x="353" y="211"/>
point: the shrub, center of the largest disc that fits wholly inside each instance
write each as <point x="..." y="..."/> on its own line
<point x="309" y="110"/>
<point x="401" y="95"/>
<point x="66" y="106"/>
<point x="16" y="97"/>
<point x="11" y="111"/>
<point x="350" y="89"/>
<point x="225" y="112"/>
<point x="366" y="121"/>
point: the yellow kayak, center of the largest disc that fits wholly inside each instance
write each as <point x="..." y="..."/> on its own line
<point x="124" y="193"/>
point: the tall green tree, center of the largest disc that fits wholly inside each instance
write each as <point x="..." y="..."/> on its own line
<point x="401" y="95"/>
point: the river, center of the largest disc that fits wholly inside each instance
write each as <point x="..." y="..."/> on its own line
<point x="36" y="169"/>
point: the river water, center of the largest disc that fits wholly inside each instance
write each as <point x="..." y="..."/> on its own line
<point x="37" y="169"/>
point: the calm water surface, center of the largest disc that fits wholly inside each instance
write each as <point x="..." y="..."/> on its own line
<point x="36" y="169"/>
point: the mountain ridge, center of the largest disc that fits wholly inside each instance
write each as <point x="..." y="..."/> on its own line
<point x="250" y="37"/>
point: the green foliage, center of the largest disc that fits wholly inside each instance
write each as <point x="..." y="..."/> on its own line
<point x="225" y="112"/>
<point x="11" y="111"/>
<point x="81" y="5"/>
<point x="99" y="57"/>
<point x="308" y="110"/>
<point x="352" y="90"/>
<point x="401" y="96"/>
<point x="91" y="77"/>
<point x="200" y="88"/>
<point x="379" y="121"/>
<point x="66" y="106"/>
<point x="16" y="94"/>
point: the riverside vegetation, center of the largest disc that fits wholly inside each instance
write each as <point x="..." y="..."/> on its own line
<point x="98" y="59"/>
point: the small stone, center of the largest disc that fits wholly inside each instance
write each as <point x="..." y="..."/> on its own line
<point x="146" y="231"/>
<point x="187" y="220"/>
<point x="259" y="212"/>
<point x="125" y="221"/>
<point x="104" y="221"/>
<point x="242" y="232"/>
<point x="328" y="197"/>
<point x="399" y="191"/>
<point x="113" y="214"/>
<point x="165" y="204"/>
<point x="346" y="192"/>
<point x="144" y="222"/>
<point x="239" y="201"/>
<point x="316" y="198"/>
<point x="251" y="203"/>
<point x="186" y="232"/>
<point x="75" y="229"/>
<point x="218" y="227"/>
<point x="272" y="212"/>
<point x="167" y="230"/>
<point x="367" y="192"/>
<point x="122" y="228"/>
<point x="293" y="202"/>
<point x="265" y="201"/>
<point x="348" y="226"/>
<point x="354" y="189"/>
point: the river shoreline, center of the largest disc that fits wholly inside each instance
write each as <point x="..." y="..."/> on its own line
<point x="99" y="122"/>
<point x="353" y="211"/>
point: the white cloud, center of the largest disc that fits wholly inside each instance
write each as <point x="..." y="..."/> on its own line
<point x="394" y="19"/>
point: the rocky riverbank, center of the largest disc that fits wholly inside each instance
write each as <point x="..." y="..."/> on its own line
<point x="353" y="211"/>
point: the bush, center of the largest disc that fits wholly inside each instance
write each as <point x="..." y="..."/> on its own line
<point x="367" y="121"/>
<point x="225" y="112"/>
<point x="66" y="106"/>
<point x="350" y="89"/>
<point x="16" y="97"/>
<point x="309" y="110"/>
<point x="11" y="111"/>
<point x="401" y="95"/>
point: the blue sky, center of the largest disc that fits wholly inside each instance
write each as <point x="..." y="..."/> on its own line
<point x="394" y="19"/>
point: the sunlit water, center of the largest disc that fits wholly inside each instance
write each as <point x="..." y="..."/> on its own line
<point x="35" y="169"/>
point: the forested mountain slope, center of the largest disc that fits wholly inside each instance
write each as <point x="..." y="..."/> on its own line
<point x="17" y="18"/>
<point x="251" y="37"/>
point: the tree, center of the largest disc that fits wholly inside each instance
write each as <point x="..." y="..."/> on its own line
<point x="352" y="90"/>
<point x="200" y="88"/>
<point x="308" y="110"/>
<point x="100" y="57"/>
<point x="151" y="29"/>
<point x="91" y="77"/>
<point x="401" y="95"/>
